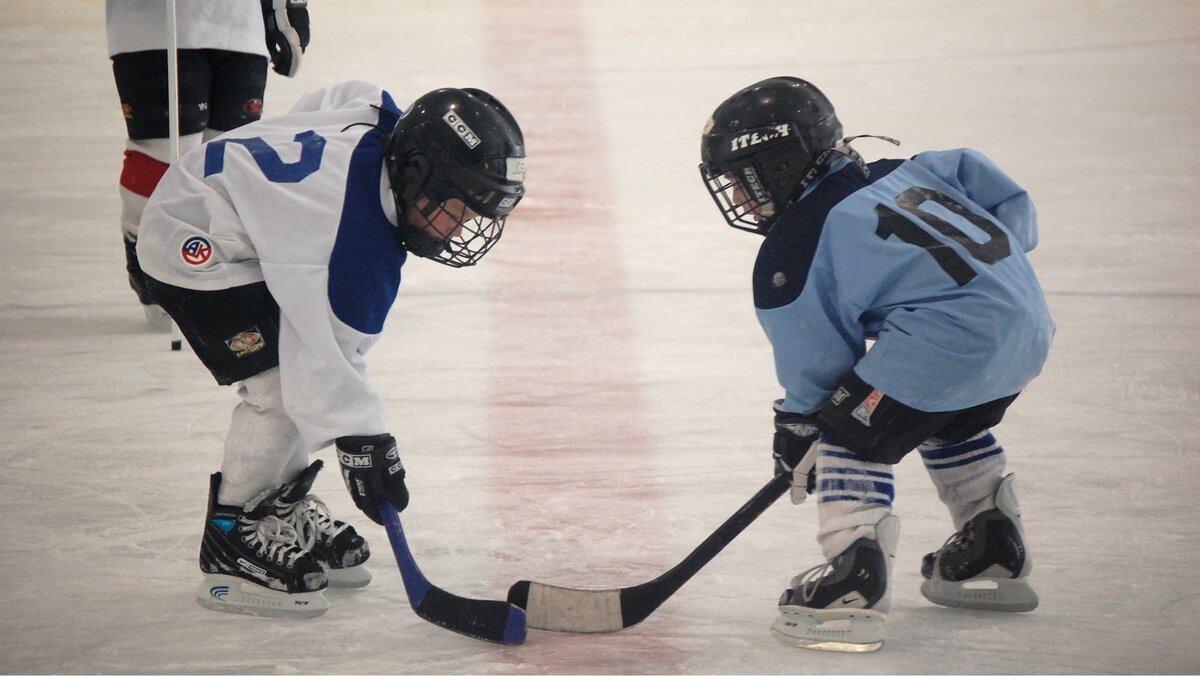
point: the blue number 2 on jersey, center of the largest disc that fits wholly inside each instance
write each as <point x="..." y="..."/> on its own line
<point x="312" y="145"/>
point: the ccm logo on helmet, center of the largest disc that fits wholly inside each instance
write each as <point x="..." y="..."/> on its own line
<point x="460" y="127"/>
<point x="755" y="138"/>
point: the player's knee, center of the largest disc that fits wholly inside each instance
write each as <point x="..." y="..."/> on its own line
<point x="883" y="449"/>
<point x="263" y="390"/>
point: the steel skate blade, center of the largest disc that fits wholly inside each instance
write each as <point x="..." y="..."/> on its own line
<point x="858" y="631"/>
<point x="230" y="594"/>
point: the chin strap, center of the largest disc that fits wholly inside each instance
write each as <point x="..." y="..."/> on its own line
<point x="843" y="148"/>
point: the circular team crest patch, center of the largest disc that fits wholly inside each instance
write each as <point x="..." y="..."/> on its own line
<point x="196" y="251"/>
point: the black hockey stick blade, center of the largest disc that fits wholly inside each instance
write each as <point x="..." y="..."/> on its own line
<point x="495" y="621"/>
<point x="603" y="610"/>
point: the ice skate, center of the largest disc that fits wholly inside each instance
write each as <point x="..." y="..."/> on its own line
<point x="984" y="565"/>
<point x="254" y="564"/>
<point x="156" y="317"/>
<point x="841" y="605"/>
<point x="335" y="544"/>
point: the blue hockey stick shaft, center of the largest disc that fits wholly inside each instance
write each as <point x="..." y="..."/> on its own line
<point x="495" y="621"/>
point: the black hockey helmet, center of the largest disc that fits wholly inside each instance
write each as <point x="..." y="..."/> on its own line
<point x="763" y="146"/>
<point x="455" y="148"/>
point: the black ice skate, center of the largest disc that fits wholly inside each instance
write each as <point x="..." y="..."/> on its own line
<point x="340" y="550"/>
<point x="253" y="562"/>
<point x="841" y="605"/>
<point x="155" y="315"/>
<point x="984" y="565"/>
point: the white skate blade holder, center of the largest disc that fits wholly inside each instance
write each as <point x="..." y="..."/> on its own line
<point x="843" y="630"/>
<point x="981" y="593"/>
<point x="347" y="578"/>
<point x="234" y="595"/>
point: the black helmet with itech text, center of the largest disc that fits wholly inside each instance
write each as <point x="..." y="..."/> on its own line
<point x="456" y="162"/>
<point x="763" y="146"/>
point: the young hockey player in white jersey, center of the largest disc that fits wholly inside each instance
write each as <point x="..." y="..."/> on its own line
<point x="926" y="257"/>
<point x="223" y="47"/>
<point x="277" y="248"/>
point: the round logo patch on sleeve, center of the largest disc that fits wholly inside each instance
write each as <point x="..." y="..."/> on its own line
<point x="196" y="251"/>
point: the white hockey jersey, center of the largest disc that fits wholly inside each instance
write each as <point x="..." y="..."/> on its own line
<point x="141" y="25"/>
<point x="300" y="201"/>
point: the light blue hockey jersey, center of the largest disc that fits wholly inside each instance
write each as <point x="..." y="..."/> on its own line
<point x="925" y="256"/>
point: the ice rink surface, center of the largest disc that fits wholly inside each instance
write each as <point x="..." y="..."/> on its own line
<point x="595" y="398"/>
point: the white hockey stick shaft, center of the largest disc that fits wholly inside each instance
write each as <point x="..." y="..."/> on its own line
<point x="173" y="118"/>
<point x="602" y="610"/>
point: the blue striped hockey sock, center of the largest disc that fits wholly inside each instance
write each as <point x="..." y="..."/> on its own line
<point x="852" y="496"/>
<point x="966" y="473"/>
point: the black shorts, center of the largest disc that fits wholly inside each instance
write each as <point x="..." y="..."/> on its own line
<point x="878" y="428"/>
<point x="217" y="90"/>
<point x="234" y="332"/>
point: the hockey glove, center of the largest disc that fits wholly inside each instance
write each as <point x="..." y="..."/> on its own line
<point x="287" y="33"/>
<point x="795" y="450"/>
<point x="373" y="472"/>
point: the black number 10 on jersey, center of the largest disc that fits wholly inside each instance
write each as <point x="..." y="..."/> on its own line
<point x="891" y="222"/>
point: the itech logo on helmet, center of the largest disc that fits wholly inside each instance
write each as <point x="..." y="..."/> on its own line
<point x="461" y="128"/>
<point x="754" y="138"/>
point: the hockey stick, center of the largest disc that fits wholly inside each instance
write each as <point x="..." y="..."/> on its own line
<point x="173" y="119"/>
<point x="603" y="610"/>
<point x="494" y="621"/>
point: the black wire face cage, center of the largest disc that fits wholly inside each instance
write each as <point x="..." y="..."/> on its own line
<point x="469" y="235"/>
<point x="743" y="200"/>
<point x="473" y="234"/>
<point x="458" y="229"/>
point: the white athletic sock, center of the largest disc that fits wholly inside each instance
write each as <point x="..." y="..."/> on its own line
<point x="262" y="441"/>
<point x="132" y="203"/>
<point x="853" y="495"/>
<point x="966" y="473"/>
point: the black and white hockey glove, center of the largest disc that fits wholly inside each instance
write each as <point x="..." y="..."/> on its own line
<point x="373" y="472"/>
<point x="287" y="33"/>
<point x="795" y="450"/>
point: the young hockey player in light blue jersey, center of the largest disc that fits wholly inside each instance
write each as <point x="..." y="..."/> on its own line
<point x="903" y="314"/>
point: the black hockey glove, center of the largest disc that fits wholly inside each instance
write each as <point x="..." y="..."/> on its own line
<point x="794" y="450"/>
<point x="373" y="472"/>
<point x="287" y="33"/>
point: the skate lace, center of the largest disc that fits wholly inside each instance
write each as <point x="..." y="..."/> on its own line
<point x="275" y="540"/>
<point x="959" y="541"/>
<point x="313" y="522"/>
<point x="810" y="580"/>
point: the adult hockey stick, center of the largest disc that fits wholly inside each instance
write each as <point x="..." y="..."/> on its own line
<point x="495" y="621"/>
<point x="173" y="119"/>
<point x="603" y="610"/>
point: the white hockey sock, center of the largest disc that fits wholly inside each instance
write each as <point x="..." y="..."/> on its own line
<point x="966" y="473"/>
<point x="262" y="441"/>
<point x="853" y="495"/>
<point x="134" y="197"/>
